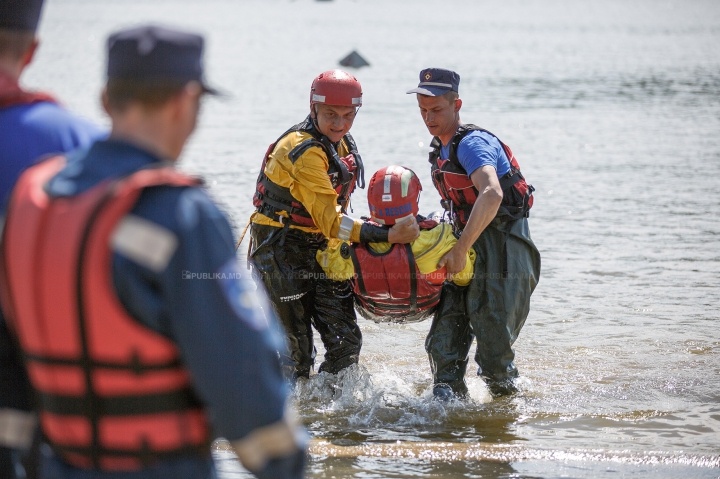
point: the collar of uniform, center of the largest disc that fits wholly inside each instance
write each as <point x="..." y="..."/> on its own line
<point x="127" y="154"/>
<point x="105" y="159"/>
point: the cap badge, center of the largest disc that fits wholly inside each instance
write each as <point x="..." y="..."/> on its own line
<point x="145" y="45"/>
<point x="428" y="76"/>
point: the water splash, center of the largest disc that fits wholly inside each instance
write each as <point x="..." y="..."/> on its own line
<point x="356" y="399"/>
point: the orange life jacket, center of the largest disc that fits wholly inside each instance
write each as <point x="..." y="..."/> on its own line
<point x="112" y="393"/>
<point x="389" y="287"/>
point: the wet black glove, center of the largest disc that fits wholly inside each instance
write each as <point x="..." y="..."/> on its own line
<point x="370" y="233"/>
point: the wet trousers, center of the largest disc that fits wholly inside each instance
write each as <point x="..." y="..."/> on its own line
<point x="491" y="309"/>
<point x="303" y="298"/>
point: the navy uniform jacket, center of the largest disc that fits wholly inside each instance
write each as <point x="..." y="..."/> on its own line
<point x="202" y="299"/>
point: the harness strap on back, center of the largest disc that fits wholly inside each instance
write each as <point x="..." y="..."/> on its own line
<point x="413" y="278"/>
<point x="358" y="272"/>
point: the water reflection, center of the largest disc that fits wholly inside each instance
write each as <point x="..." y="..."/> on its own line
<point x="342" y="467"/>
<point x="612" y="108"/>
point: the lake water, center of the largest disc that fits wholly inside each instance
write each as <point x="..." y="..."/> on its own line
<point x="613" y="110"/>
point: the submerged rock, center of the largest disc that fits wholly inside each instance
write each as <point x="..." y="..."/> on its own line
<point x="354" y="60"/>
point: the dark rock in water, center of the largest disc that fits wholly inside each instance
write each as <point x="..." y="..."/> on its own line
<point x="354" y="60"/>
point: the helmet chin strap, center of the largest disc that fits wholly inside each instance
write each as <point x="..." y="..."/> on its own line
<point x="313" y="118"/>
<point x="313" y="115"/>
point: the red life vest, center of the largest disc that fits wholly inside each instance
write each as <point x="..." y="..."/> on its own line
<point x="458" y="191"/>
<point x="344" y="174"/>
<point x="11" y="94"/>
<point x="389" y="287"/>
<point x="112" y="393"/>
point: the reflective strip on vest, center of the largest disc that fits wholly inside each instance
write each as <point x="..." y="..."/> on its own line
<point x="16" y="428"/>
<point x="144" y="242"/>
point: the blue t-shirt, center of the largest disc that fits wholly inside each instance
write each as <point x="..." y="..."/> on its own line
<point x="479" y="149"/>
<point x="39" y="129"/>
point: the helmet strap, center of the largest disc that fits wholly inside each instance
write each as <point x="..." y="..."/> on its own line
<point x="313" y="117"/>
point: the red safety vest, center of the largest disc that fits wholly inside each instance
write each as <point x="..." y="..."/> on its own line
<point x="344" y="173"/>
<point x="458" y="191"/>
<point x="112" y="394"/>
<point x="389" y="287"/>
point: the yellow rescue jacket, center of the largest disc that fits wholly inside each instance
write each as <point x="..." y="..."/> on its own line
<point x="299" y="163"/>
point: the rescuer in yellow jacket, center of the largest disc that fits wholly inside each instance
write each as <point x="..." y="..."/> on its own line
<point x="302" y="194"/>
<point x="395" y="283"/>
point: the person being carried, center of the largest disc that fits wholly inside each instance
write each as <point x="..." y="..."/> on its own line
<point x="302" y="197"/>
<point x="143" y="338"/>
<point x="395" y="283"/>
<point x="488" y="200"/>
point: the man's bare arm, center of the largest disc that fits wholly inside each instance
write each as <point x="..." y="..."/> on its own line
<point x="484" y="210"/>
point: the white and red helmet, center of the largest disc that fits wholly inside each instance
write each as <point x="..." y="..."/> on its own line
<point x="393" y="194"/>
<point x="336" y="87"/>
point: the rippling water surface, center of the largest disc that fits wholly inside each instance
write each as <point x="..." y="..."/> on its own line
<point x="613" y="109"/>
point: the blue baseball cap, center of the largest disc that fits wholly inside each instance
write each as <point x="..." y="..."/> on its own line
<point x="436" y="82"/>
<point x="153" y="53"/>
<point x="22" y="15"/>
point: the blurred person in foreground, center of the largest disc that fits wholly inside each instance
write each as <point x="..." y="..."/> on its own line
<point x="488" y="201"/>
<point x="396" y="283"/>
<point x="32" y="124"/>
<point x="302" y="197"/>
<point x="142" y="337"/>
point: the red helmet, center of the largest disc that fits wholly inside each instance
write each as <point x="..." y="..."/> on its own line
<point x="336" y="87"/>
<point x="393" y="193"/>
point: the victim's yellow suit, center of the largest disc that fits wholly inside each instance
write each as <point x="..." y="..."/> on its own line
<point x="428" y="248"/>
<point x="308" y="181"/>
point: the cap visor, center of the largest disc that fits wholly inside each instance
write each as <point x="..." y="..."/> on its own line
<point x="213" y="91"/>
<point x="429" y="91"/>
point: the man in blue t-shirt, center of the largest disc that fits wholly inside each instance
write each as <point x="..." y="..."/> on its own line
<point x="488" y="201"/>
<point x="32" y="124"/>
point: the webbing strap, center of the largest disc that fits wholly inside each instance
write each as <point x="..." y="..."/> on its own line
<point x="358" y="273"/>
<point x="135" y="365"/>
<point x="145" y="454"/>
<point x="373" y="306"/>
<point x="413" y="278"/>
<point x="120" y="405"/>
